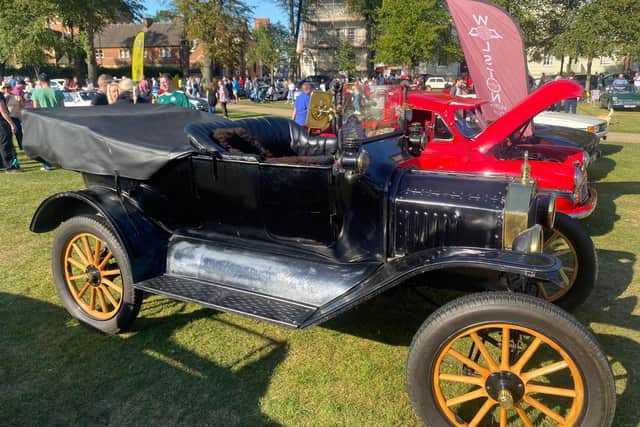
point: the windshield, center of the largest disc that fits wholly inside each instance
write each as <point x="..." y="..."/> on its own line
<point x="623" y="88"/>
<point x="470" y="122"/>
<point x="371" y="110"/>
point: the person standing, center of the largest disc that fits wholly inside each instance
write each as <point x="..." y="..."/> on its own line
<point x="636" y="81"/>
<point x="543" y="80"/>
<point x="236" y="87"/>
<point x="74" y="84"/>
<point x="15" y="104"/>
<point x="46" y="97"/>
<point x="301" y="105"/>
<point x="211" y="97"/>
<point x="223" y="96"/>
<point x="169" y="94"/>
<point x="291" y="90"/>
<point x="229" y="86"/>
<point x="8" y="160"/>
<point x="144" y="88"/>
<point x="571" y="104"/>
<point x="101" y="94"/>
<point x="456" y="89"/>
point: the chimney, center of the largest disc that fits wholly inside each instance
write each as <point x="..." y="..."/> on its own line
<point x="146" y="23"/>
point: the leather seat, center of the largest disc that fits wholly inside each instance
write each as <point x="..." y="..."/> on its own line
<point x="281" y="136"/>
<point x="304" y="144"/>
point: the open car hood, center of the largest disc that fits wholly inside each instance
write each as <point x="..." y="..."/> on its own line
<point x="519" y="115"/>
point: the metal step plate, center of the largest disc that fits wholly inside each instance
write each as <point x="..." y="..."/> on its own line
<point x="224" y="298"/>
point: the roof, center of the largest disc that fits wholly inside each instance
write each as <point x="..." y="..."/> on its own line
<point x="158" y="34"/>
<point x="134" y="141"/>
<point x="434" y="100"/>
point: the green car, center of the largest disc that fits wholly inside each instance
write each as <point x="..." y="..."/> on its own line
<point x="620" y="97"/>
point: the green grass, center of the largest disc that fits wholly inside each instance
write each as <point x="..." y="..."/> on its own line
<point x="280" y="105"/>
<point x="186" y="365"/>
<point x="621" y="121"/>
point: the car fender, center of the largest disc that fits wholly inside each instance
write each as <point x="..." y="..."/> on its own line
<point x="398" y="270"/>
<point x="144" y="241"/>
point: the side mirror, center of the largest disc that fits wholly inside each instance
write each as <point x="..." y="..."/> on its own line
<point x="321" y="110"/>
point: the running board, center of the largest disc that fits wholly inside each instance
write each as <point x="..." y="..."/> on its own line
<point x="228" y="299"/>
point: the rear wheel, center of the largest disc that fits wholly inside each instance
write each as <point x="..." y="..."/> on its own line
<point x="508" y="359"/>
<point x="570" y="242"/>
<point x="93" y="276"/>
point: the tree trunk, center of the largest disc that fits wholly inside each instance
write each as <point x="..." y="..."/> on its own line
<point x="561" y="64"/>
<point x="587" y="84"/>
<point x="207" y="68"/>
<point x="91" y="59"/>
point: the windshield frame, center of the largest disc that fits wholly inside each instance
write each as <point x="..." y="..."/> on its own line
<point x="461" y="121"/>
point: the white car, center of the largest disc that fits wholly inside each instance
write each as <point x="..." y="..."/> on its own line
<point x="436" y="83"/>
<point x="78" y="99"/>
<point x="574" y="121"/>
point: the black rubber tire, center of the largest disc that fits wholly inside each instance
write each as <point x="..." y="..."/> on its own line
<point x="585" y="251"/>
<point x="132" y="298"/>
<point x="515" y="309"/>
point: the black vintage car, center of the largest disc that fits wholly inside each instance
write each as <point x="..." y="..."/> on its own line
<point x="261" y="218"/>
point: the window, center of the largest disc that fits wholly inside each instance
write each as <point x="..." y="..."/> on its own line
<point x="547" y="60"/>
<point x="440" y="131"/>
<point x="165" y="52"/>
<point x="605" y="60"/>
<point x="351" y="35"/>
<point x="146" y="54"/>
<point x="124" y="54"/>
<point x="99" y="54"/>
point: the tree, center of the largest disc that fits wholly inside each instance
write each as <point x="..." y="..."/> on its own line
<point x="414" y="30"/>
<point x="24" y="32"/>
<point x="345" y="59"/>
<point x="165" y="16"/>
<point x="220" y="25"/>
<point x="296" y="11"/>
<point x="270" y="47"/>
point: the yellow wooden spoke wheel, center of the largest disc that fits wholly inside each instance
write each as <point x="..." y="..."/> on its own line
<point x="93" y="275"/>
<point x="505" y="373"/>
<point x="569" y="241"/>
<point x="505" y="359"/>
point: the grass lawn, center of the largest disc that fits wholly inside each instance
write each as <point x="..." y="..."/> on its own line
<point x="186" y="365"/>
<point x="621" y="121"/>
<point x="281" y="105"/>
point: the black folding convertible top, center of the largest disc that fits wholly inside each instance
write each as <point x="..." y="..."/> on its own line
<point x="133" y="141"/>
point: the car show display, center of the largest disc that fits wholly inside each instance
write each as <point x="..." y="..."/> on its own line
<point x="622" y="96"/>
<point x="263" y="218"/>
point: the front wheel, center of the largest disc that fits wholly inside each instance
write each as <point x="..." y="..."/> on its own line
<point x="93" y="275"/>
<point x="508" y="359"/>
<point x="570" y="242"/>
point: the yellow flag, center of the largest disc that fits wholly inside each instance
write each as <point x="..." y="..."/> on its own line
<point x="137" y="59"/>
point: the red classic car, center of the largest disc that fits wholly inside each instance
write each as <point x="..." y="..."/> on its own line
<point x="458" y="139"/>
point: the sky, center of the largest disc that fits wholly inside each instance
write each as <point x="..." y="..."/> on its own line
<point x="261" y="9"/>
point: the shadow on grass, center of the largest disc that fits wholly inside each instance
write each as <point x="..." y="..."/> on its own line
<point x="76" y="376"/>
<point x="606" y="215"/>
<point x="604" y="165"/>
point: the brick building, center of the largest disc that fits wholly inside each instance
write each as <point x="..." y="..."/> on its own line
<point x="164" y="44"/>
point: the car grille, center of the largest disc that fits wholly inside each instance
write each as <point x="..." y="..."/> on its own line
<point x="629" y="102"/>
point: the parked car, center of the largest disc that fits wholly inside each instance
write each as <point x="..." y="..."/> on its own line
<point x="260" y="218"/>
<point x="581" y="122"/>
<point x="569" y="137"/>
<point x="57" y="84"/>
<point x="78" y="99"/>
<point x="458" y="139"/>
<point x="620" y="97"/>
<point x="436" y="83"/>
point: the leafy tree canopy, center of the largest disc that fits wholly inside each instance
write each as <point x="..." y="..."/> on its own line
<point x="414" y="30"/>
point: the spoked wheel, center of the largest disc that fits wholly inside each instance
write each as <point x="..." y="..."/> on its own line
<point x="570" y="242"/>
<point x="93" y="276"/>
<point x="505" y="359"/>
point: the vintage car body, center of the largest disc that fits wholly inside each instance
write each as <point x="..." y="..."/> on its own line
<point x="620" y="97"/>
<point x="260" y="218"/>
<point x="494" y="149"/>
<point x="592" y="125"/>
